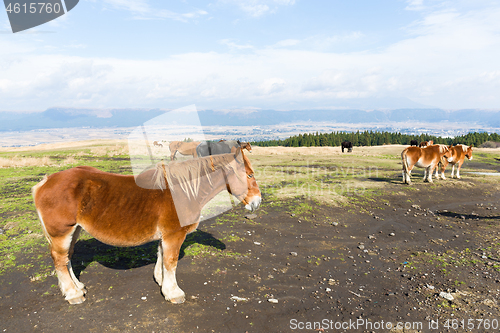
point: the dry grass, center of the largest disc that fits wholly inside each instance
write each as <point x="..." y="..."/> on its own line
<point x="81" y="154"/>
<point x="67" y="145"/>
<point x="323" y="173"/>
<point x="328" y="151"/>
<point x="19" y="162"/>
<point x="109" y="151"/>
<point x="99" y="151"/>
<point x="69" y="160"/>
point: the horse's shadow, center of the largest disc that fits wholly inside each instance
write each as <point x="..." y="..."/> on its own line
<point x="389" y="180"/>
<point x="91" y="250"/>
<point x="468" y="216"/>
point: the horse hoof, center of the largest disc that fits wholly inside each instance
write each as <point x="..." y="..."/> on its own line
<point x="178" y="300"/>
<point x="76" y="300"/>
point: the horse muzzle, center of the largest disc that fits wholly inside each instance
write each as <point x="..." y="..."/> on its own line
<point x="253" y="204"/>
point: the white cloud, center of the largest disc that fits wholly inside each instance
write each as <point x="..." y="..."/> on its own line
<point x="233" y="46"/>
<point x="449" y="59"/>
<point x="415" y="5"/>
<point x="320" y="42"/>
<point x="142" y="10"/>
<point x="287" y="43"/>
<point x="257" y="8"/>
<point x="134" y="6"/>
<point x="272" y="85"/>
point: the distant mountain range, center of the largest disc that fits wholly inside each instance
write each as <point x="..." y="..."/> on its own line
<point x="99" y="118"/>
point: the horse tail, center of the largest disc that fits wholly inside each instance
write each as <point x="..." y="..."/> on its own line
<point x="34" y="190"/>
<point x="405" y="166"/>
<point x="405" y="162"/>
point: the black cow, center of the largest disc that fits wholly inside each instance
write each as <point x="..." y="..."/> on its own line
<point x="347" y="145"/>
<point x="414" y="143"/>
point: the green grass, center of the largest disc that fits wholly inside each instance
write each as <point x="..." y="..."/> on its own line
<point x="350" y="180"/>
<point x="21" y="229"/>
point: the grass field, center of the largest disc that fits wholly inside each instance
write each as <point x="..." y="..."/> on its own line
<point x="318" y="202"/>
<point x="323" y="174"/>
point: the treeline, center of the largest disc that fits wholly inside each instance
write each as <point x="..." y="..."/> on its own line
<point x="370" y="138"/>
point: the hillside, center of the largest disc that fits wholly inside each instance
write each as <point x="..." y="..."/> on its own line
<point x="99" y="118"/>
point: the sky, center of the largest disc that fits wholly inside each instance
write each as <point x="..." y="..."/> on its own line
<point x="256" y="54"/>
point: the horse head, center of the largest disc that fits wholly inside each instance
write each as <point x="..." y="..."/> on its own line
<point x="242" y="183"/>
<point x="245" y="145"/>
<point x="448" y="154"/>
<point x="468" y="153"/>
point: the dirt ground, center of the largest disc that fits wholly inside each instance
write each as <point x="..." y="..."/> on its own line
<point x="425" y="256"/>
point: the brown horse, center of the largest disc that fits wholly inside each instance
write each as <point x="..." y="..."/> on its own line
<point x="157" y="144"/>
<point x="458" y="154"/>
<point x="184" y="148"/>
<point x="246" y="145"/>
<point x="116" y="211"/>
<point x="427" y="158"/>
<point x="424" y="144"/>
<point x="243" y="145"/>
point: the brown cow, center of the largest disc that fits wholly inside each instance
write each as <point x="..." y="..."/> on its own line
<point x="184" y="148"/>
<point x="116" y="211"/>
<point x="427" y="158"/>
<point x="458" y="154"/>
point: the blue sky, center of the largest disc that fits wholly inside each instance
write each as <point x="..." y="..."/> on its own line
<point x="245" y="54"/>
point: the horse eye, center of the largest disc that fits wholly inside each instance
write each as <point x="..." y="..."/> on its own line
<point x="250" y="176"/>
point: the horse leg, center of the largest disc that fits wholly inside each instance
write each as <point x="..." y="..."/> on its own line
<point x="453" y="171"/>
<point x="458" y="170"/>
<point x="78" y="284"/>
<point x="407" y="175"/>
<point x="443" y="163"/>
<point x="429" y="171"/>
<point x="158" y="273"/>
<point x="171" y="245"/>
<point x="60" y="250"/>
<point x="437" y="170"/>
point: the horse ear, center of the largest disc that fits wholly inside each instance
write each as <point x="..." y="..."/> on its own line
<point x="239" y="143"/>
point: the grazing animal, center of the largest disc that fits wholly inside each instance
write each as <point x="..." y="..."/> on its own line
<point x="427" y="158"/>
<point x="118" y="212"/>
<point x="184" y="148"/>
<point x="157" y="144"/>
<point x="414" y="143"/>
<point x="347" y="145"/>
<point x="208" y="148"/>
<point x="458" y="154"/>
<point x="246" y="145"/>
<point x="424" y="144"/>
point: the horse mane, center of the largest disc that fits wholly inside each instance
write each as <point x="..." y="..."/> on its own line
<point x="464" y="148"/>
<point x="443" y="148"/>
<point x="187" y="174"/>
